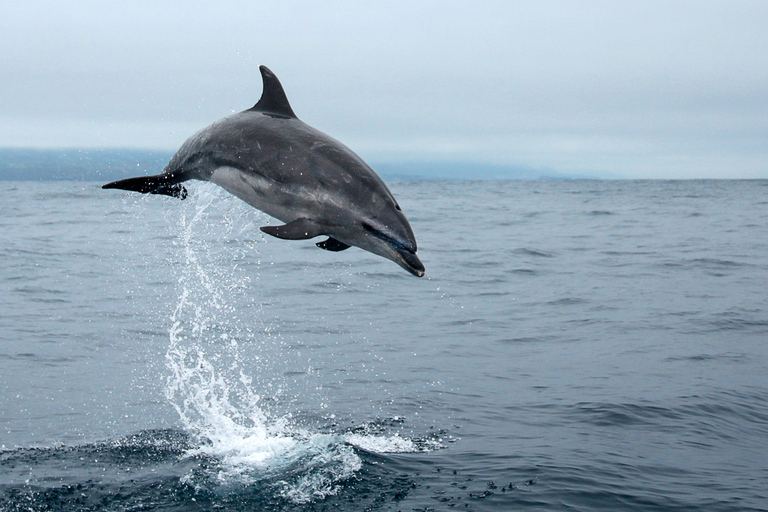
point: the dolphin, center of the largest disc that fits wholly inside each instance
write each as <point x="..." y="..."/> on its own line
<point x="311" y="182"/>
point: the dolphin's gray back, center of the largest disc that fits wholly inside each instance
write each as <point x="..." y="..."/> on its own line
<point x="280" y="166"/>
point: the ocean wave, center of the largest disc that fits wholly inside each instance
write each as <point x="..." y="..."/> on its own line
<point x="164" y="469"/>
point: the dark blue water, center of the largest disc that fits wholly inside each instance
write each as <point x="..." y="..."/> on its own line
<point x="576" y="345"/>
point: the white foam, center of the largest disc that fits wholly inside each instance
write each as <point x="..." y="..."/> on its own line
<point x="213" y="392"/>
<point x="214" y="396"/>
<point x="382" y="444"/>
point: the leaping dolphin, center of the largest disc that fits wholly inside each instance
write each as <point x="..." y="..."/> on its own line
<point x="313" y="183"/>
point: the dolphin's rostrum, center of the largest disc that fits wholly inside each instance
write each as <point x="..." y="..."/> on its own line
<point x="313" y="183"/>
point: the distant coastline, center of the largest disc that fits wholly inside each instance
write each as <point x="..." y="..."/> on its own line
<point x="107" y="164"/>
<point x="72" y="164"/>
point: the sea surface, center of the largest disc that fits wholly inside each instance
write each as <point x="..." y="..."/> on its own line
<point x="574" y="345"/>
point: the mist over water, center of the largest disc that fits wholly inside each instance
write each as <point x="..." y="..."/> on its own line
<point x="584" y="344"/>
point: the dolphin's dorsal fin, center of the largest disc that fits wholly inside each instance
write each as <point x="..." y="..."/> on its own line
<point x="273" y="100"/>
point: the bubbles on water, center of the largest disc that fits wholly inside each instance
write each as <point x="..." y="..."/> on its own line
<point x="382" y="444"/>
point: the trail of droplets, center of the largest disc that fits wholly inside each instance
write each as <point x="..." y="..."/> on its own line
<point x="213" y="394"/>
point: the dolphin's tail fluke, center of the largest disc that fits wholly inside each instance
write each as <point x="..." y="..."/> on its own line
<point x="166" y="184"/>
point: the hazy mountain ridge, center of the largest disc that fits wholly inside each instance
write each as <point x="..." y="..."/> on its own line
<point x="106" y="164"/>
<point x="79" y="164"/>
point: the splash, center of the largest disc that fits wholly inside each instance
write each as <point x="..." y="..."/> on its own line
<point x="210" y="385"/>
<point x="211" y="382"/>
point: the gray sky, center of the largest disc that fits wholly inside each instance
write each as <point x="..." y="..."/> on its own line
<point x="638" y="89"/>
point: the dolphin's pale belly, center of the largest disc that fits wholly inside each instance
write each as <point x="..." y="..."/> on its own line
<point x="257" y="191"/>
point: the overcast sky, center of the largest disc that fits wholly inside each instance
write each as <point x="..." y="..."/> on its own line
<point x="630" y="88"/>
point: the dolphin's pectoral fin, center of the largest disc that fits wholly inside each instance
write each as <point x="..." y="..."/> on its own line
<point x="332" y="245"/>
<point x="299" y="229"/>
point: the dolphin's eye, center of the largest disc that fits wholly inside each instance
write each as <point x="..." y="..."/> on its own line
<point x="375" y="232"/>
<point x="380" y="235"/>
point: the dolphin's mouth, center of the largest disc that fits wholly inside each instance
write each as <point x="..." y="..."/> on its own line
<point x="410" y="262"/>
<point x="406" y="254"/>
